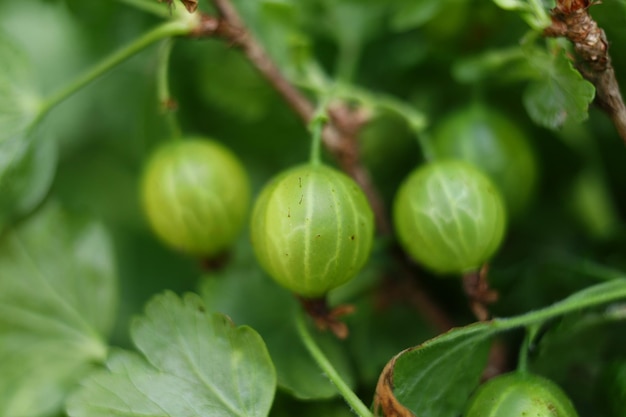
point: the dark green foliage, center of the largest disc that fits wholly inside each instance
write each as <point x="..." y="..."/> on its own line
<point x="78" y="261"/>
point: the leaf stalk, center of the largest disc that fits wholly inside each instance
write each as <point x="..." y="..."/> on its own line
<point x="358" y="407"/>
<point x="165" y="30"/>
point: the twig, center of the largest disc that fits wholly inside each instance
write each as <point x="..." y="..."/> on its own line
<point x="232" y="27"/>
<point x="479" y="293"/>
<point x="339" y="135"/>
<point x="571" y="19"/>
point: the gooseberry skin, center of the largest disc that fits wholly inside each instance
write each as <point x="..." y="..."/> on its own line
<point x="312" y="229"/>
<point x="449" y="217"/>
<point x="520" y="395"/>
<point x="493" y="143"/>
<point x="195" y="195"/>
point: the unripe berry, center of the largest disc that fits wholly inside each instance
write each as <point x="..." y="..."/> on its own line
<point x="195" y="194"/>
<point x="449" y="217"/>
<point x="312" y="229"/>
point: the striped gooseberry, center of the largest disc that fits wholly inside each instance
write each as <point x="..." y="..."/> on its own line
<point x="449" y="217"/>
<point x="520" y="395"/>
<point x="494" y="144"/>
<point x="312" y="229"/>
<point x="195" y="195"/>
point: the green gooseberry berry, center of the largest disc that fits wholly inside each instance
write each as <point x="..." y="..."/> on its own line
<point x="449" y="217"/>
<point x="520" y="394"/>
<point x="494" y="144"/>
<point x="312" y="229"/>
<point x="195" y="195"/>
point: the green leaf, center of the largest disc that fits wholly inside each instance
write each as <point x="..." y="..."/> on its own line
<point x="376" y="334"/>
<point x="535" y="15"/>
<point x="597" y="337"/>
<point x="353" y="22"/>
<point x="57" y="304"/>
<point x="27" y="159"/>
<point x="271" y="310"/>
<point x="512" y="4"/>
<point x="197" y="365"/>
<point x="27" y="168"/>
<point x="592" y="203"/>
<point x="215" y="70"/>
<point x="437" y="377"/>
<point x="410" y="14"/>
<point x="560" y="93"/>
<point x="18" y="102"/>
<point x="277" y="25"/>
<point x="506" y="64"/>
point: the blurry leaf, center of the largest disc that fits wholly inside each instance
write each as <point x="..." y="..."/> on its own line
<point x="57" y="305"/>
<point x="198" y="365"/>
<point x="611" y="391"/>
<point x="27" y="160"/>
<point x="437" y="377"/>
<point x="507" y="64"/>
<point x="377" y="334"/>
<point x="18" y="102"/>
<point x="51" y="39"/>
<point x="96" y="181"/>
<point x="285" y="406"/>
<point x="277" y="25"/>
<point x="512" y="4"/>
<point x="575" y="350"/>
<point x="536" y="19"/>
<point x="559" y="94"/>
<point x="410" y="14"/>
<point x="27" y="167"/>
<point x="354" y="22"/>
<point x="592" y="202"/>
<point x="556" y="93"/>
<point x="248" y="296"/>
<point x="248" y="99"/>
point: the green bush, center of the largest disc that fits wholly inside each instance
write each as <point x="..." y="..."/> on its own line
<point x="106" y="311"/>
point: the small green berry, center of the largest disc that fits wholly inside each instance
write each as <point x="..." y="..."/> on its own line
<point x="520" y="395"/>
<point x="494" y="144"/>
<point x="449" y="217"/>
<point x="312" y="229"/>
<point x="195" y="194"/>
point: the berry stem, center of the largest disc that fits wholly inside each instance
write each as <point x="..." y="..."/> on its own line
<point x="415" y="120"/>
<point x="316" y="127"/>
<point x="322" y="361"/>
<point x="167" y="103"/>
<point x="531" y="333"/>
<point x="165" y="30"/>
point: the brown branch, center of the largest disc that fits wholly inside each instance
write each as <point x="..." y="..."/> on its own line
<point x="478" y="292"/>
<point x="340" y="135"/>
<point x="571" y="19"/>
<point x="231" y="29"/>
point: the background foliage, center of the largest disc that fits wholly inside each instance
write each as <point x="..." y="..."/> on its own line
<point x="77" y="261"/>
